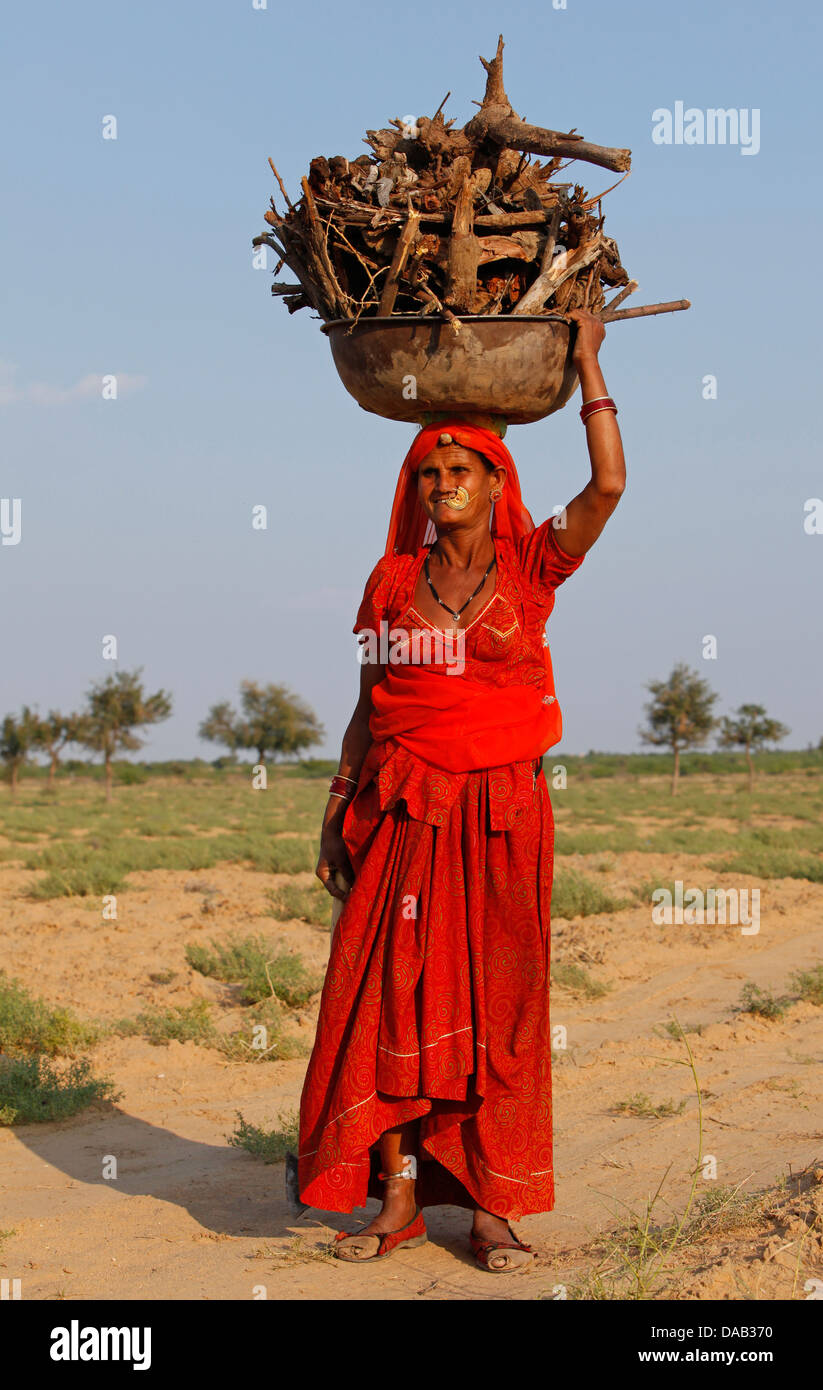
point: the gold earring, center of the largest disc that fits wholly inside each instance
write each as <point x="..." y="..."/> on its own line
<point x="496" y="494"/>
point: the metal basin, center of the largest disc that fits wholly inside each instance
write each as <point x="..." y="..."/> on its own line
<point x="404" y="367"/>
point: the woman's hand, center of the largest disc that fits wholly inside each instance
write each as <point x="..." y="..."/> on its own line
<point x="333" y="856"/>
<point x="589" y="336"/>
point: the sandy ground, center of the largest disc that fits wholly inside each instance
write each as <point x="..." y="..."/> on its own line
<point x="190" y="1216"/>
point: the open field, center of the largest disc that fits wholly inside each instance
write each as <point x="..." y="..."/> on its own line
<point x="216" y="904"/>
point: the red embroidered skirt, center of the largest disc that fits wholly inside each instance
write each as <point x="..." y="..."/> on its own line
<point x="436" y="999"/>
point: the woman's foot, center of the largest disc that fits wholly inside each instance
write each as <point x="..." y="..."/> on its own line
<point x="399" y="1223"/>
<point x="496" y="1247"/>
<point x="397" y="1210"/>
<point x="487" y="1227"/>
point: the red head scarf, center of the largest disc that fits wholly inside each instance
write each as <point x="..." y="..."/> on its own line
<point x="409" y="523"/>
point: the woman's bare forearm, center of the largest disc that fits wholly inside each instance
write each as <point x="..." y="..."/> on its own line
<point x="357" y="741"/>
<point x="602" y="434"/>
<point x="588" y="512"/>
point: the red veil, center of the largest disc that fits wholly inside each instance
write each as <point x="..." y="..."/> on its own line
<point x="409" y="523"/>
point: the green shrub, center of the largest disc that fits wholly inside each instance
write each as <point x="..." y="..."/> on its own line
<point x="194" y="1023"/>
<point x="286" y="856"/>
<point x="33" y="1089"/>
<point x="677" y="1031"/>
<point x="290" y="901"/>
<point x="248" y="1045"/>
<point x="763" y="1002"/>
<point x="271" y="1145"/>
<point x="130" y="774"/>
<point x="29" y="1025"/>
<point x="574" y="895"/>
<point x="769" y="862"/>
<point x="616" y="840"/>
<point x="92" y="879"/>
<point x="569" y="975"/>
<point x="186" y="1023"/>
<point x="257" y="967"/>
<point x="313" y="767"/>
<point x="641" y="1104"/>
<point x="808" y="984"/>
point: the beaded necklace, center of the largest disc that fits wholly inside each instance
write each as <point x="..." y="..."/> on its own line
<point x="438" y="599"/>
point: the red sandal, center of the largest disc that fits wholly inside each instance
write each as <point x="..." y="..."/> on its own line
<point x="358" y="1249"/>
<point x="500" y="1258"/>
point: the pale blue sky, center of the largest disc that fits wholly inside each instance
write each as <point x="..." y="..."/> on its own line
<point x="134" y="257"/>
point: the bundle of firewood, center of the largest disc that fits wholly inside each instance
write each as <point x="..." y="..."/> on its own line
<point x="452" y="222"/>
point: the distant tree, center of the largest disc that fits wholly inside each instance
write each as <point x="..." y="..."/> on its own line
<point x="114" y="708"/>
<point x="53" y="734"/>
<point x="751" y="729"/>
<point x="272" y="720"/>
<point x="222" y="725"/>
<point x="679" y="714"/>
<point x="16" y="742"/>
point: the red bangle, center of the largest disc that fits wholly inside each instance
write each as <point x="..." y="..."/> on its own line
<point x="599" y="403"/>
<point x="343" y="786"/>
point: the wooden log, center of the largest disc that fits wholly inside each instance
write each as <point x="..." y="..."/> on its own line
<point x="588" y="289"/>
<point x="645" y="310"/>
<point x="533" y="139"/>
<point x="337" y="303"/>
<point x="495" y="93"/>
<point x="401" y="252"/>
<point x="498" y="248"/>
<point x="560" y="270"/>
<point x="498" y="123"/>
<point x="297" y="265"/>
<point x="551" y="238"/>
<point x="492" y="220"/>
<point x="432" y="302"/>
<point x="461" y="169"/>
<point x="464" y="254"/>
<point x="618" y="298"/>
<point x="268" y="240"/>
<point x="362" y="214"/>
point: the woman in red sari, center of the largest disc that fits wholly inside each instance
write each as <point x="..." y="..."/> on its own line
<point x="430" y="1078"/>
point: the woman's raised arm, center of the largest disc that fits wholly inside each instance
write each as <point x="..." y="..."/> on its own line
<point x="588" y="512"/>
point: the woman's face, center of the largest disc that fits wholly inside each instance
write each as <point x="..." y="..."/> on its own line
<point x="452" y="474"/>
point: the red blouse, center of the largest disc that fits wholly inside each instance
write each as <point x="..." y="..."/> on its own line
<point x="505" y="645"/>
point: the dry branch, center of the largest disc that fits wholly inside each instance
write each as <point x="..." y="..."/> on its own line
<point x="644" y="311"/>
<point x="624" y="294"/>
<point x="561" y="269"/>
<point x="404" y="244"/>
<point x="464" y="254"/>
